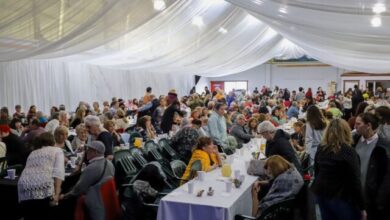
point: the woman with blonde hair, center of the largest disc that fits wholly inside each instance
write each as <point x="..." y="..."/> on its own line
<point x="81" y="138"/>
<point x="337" y="183"/>
<point x="121" y="122"/>
<point x="79" y="118"/>
<point x="285" y="183"/>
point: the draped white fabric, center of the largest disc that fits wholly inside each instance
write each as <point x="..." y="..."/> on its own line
<point x="229" y="41"/>
<point x="205" y="37"/>
<point x="350" y="34"/>
<point x="56" y="28"/>
<point x="47" y="83"/>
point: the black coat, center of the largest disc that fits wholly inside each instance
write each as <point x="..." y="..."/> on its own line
<point x="281" y="146"/>
<point x="167" y="118"/>
<point x="377" y="188"/>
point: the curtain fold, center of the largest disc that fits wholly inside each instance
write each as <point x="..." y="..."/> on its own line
<point x="347" y="34"/>
<point x="49" y="83"/>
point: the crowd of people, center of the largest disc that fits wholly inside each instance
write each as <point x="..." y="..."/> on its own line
<point x="342" y="139"/>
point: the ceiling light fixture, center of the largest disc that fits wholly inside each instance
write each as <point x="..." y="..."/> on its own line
<point x="197" y="21"/>
<point x="379" y="8"/>
<point x="283" y="10"/>
<point x="376" y="21"/>
<point x="222" y="30"/>
<point x="159" y="5"/>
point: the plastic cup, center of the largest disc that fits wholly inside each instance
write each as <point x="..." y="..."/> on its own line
<point x="228" y="186"/>
<point x="242" y="178"/>
<point x="11" y="173"/>
<point x="236" y="173"/>
<point x="191" y="186"/>
<point x="201" y="175"/>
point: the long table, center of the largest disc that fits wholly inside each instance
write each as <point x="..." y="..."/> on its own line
<point x="180" y="205"/>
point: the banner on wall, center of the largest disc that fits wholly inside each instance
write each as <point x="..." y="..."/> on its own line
<point x="217" y="84"/>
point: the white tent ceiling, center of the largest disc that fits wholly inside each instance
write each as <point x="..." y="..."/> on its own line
<point x="206" y="37"/>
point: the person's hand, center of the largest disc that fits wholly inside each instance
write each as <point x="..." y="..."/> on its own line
<point x="61" y="197"/>
<point x="54" y="200"/>
<point x="215" y="149"/>
<point x="364" y="215"/>
<point x="255" y="189"/>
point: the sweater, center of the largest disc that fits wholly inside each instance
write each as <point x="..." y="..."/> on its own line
<point x="37" y="178"/>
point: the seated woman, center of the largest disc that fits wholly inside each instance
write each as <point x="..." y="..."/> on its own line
<point x="61" y="141"/>
<point x="109" y="125"/>
<point x="285" y="183"/>
<point x="79" y="118"/>
<point x="145" y="128"/>
<point x="208" y="155"/>
<point x="278" y="116"/>
<point x="121" y="121"/>
<point x="81" y="138"/>
<point x="252" y="126"/>
<point x="39" y="185"/>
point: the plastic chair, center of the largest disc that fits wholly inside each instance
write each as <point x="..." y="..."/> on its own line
<point x="125" y="169"/>
<point x="195" y="167"/>
<point x="167" y="150"/>
<point x="178" y="168"/>
<point x="112" y="208"/>
<point x="3" y="164"/>
<point x="138" y="156"/>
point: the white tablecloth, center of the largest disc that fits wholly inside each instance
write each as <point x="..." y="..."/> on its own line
<point x="181" y="205"/>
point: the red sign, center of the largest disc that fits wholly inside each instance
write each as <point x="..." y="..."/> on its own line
<point x="217" y="84"/>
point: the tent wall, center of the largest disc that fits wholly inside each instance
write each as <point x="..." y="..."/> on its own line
<point x="47" y="83"/>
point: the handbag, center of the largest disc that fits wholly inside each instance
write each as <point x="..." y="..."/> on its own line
<point x="256" y="168"/>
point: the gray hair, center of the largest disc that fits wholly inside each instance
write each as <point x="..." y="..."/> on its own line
<point x="265" y="126"/>
<point x="92" y="120"/>
<point x="239" y="116"/>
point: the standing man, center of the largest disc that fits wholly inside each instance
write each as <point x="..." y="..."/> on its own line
<point x="217" y="125"/>
<point x="94" y="128"/>
<point x="374" y="167"/>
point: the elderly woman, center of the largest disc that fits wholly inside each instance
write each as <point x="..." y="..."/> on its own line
<point x="110" y="127"/>
<point x="39" y="185"/>
<point x="208" y="155"/>
<point x="81" y="138"/>
<point x="285" y="183"/>
<point x="121" y="122"/>
<point x="61" y="141"/>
